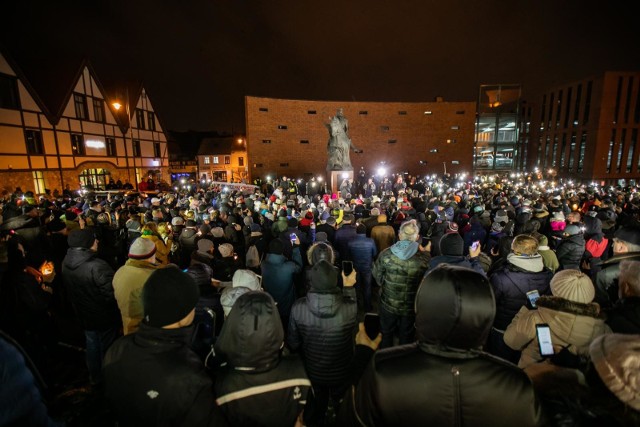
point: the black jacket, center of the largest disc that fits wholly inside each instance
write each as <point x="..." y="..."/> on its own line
<point x="570" y="251"/>
<point x="258" y="387"/>
<point x="624" y="317"/>
<point x="152" y="378"/>
<point x="323" y="326"/>
<point x="444" y="379"/>
<point x="87" y="279"/>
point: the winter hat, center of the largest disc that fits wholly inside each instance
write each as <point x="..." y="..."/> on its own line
<point x="501" y="216"/>
<point x="324" y="216"/>
<point x="177" y="221"/>
<point x="190" y="223"/>
<point x="247" y="221"/>
<point x="409" y="230"/>
<point x="247" y="279"/>
<point x="573" y="285"/>
<point x="321" y="236"/>
<point x="558" y="216"/>
<point x="616" y="358"/>
<point x="217" y="232"/>
<point x="572" y="230"/>
<point x="331" y="221"/>
<point x="168" y="296"/>
<point x="448" y="213"/>
<point x="497" y="227"/>
<point x="629" y="235"/>
<point x="374" y="212"/>
<point x="451" y="244"/>
<point x="142" y="249"/>
<point x="256" y="230"/>
<point x="229" y="297"/>
<point x="452" y="227"/>
<point x="82" y="238"/>
<point x="324" y="277"/>
<point x="205" y="229"/>
<point x="226" y="250"/>
<point x="56" y="225"/>
<point x="204" y="245"/>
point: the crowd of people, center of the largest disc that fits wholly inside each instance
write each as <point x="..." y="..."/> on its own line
<point x="400" y="302"/>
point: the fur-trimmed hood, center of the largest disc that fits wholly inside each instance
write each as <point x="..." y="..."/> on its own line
<point x="572" y="307"/>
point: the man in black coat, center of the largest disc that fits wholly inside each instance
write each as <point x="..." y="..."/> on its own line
<point x="152" y="377"/>
<point x="322" y="326"/>
<point x="87" y="279"/>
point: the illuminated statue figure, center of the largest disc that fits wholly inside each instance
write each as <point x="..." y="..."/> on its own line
<point x="339" y="143"/>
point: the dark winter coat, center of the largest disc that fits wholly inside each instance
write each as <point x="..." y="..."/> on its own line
<point x="460" y="261"/>
<point x="624" y="317"/>
<point x="344" y="235"/>
<point x="570" y="251"/>
<point x="323" y="327"/>
<point x="278" y="278"/>
<point x="606" y="282"/>
<point x="362" y="251"/>
<point x="87" y="279"/>
<point x="152" y="378"/>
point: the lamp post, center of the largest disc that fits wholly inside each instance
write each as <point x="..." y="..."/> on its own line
<point x="117" y="107"/>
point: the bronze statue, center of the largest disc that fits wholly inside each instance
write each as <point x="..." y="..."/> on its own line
<point x="339" y="143"/>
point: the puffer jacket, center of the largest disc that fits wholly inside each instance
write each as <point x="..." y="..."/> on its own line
<point x="278" y="276"/>
<point x="88" y="280"/>
<point x="510" y="286"/>
<point x="323" y="327"/>
<point x="400" y="276"/>
<point x="362" y="251"/>
<point x="444" y="379"/>
<point x="127" y="285"/>
<point x="570" y="251"/>
<point x="257" y="386"/>
<point x="573" y="325"/>
<point x="153" y="378"/>
<point x="460" y="261"/>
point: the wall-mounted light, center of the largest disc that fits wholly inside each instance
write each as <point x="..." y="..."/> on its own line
<point x="92" y="143"/>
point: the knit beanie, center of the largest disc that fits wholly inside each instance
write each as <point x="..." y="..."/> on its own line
<point x="226" y="250"/>
<point x="82" y="238"/>
<point x="204" y="245"/>
<point x="276" y="247"/>
<point x="168" y="296"/>
<point x="409" y="230"/>
<point x="142" y="249"/>
<point x="324" y="277"/>
<point x="321" y="236"/>
<point x="452" y="244"/>
<point x="572" y="230"/>
<point x="217" y="232"/>
<point x="573" y="285"/>
<point x="205" y="229"/>
<point x="616" y="358"/>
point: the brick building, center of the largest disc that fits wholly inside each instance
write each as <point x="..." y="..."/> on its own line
<point x="77" y="138"/>
<point x="223" y="159"/>
<point x="288" y="137"/>
<point x="588" y="130"/>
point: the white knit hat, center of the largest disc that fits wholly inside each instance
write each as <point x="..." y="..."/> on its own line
<point x="616" y="357"/>
<point x="573" y="285"/>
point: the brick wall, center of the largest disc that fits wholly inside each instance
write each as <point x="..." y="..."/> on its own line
<point x="416" y="128"/>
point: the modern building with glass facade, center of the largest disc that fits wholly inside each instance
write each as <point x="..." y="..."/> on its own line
<point x="496" y="145"/>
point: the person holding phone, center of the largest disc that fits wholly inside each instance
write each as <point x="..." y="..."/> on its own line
<point x="573" y="320"/>
<point x="322" y="326"/>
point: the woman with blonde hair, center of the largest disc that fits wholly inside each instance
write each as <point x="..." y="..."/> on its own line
<point x="150" y="231"/>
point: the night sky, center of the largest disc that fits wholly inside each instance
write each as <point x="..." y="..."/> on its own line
<point x="198" y="59"/>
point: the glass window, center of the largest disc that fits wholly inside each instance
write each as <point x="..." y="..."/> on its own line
<point x="583" y="148"/>
<point x="9" y="97"/>
<point x="33" y="139"/>
<point x="576" y="109"/>
<point x="551" y="105"/>
<point x="111" y="147"/>
<point x="156" y="150"/>
<point x="240" y="161"/>
<point x="618" y="94"/>
<point x="610" y="155"/>
<point x="140" y="119"/>
<point x="216" y="160"/>
<point x="542" y="114"/>
<point x="136" y="148"/>
<point x="563" y="150"/>
<point x="207" y="160"/>
<point x="151" y="120"/>
<point x="627" y="105"/>
<point x="632" y="149"/>
<point x="547" y="147"/>
<point x="636" y="114"/>
<point x="587" y="103"/>
<point x="568" y="107"/>
<point x="96" y="178"/>
<point x="559" y="109"/>
<point x="98" y="110"/>
<point x="539" y="152"/>
<point x="38" y="182"/>
<point x="621" y="150"/>
<point x="572" y="151"/>
<point x="80" y="104"/>
<point x="77" y="144"/>
<point x="554" y="154"/>
<point x="227" y="160"/>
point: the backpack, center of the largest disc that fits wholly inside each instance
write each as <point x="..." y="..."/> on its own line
<point x="253" y="257"/>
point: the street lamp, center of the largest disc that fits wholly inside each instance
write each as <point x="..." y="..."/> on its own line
<point x="117" y="106"/>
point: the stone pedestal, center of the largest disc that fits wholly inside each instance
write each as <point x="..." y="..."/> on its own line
<point x="336" y="178"/>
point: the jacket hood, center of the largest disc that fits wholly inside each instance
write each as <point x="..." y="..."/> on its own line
<point x="455" y="308"/>
<point x="404" y="249"/>
<point x="324" y="305"/>
<point x="252" y="335"/>
<point x="78" y="256"/>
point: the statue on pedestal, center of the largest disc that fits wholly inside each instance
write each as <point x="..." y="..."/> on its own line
<point x="339" y="143"/>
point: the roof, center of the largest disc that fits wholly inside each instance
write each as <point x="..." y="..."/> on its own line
<point x="220" y="145"/>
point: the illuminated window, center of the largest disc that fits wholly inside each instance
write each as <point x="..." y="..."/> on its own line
<point x="216" y="160"/>
<point x="282" y="127"/>
<point x="610" y="155"/>
<point x="38" y="182"/>
<point x="33" y="139"/>
<point x="227" y="160"/>
<point x="207" y="160"/>
<point x="77" y="144"/>
<point x="632" y="149"/>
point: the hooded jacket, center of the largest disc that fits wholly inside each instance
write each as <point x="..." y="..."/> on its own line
<point x="88" y="280"/>
<point x="323" y="327"/>
<point x="444" y="379"/>
<point x="399" y="270"/>
<point x="573" y="325"/>
<point x="570" y="251"/>
<point x="257" y="386"/>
